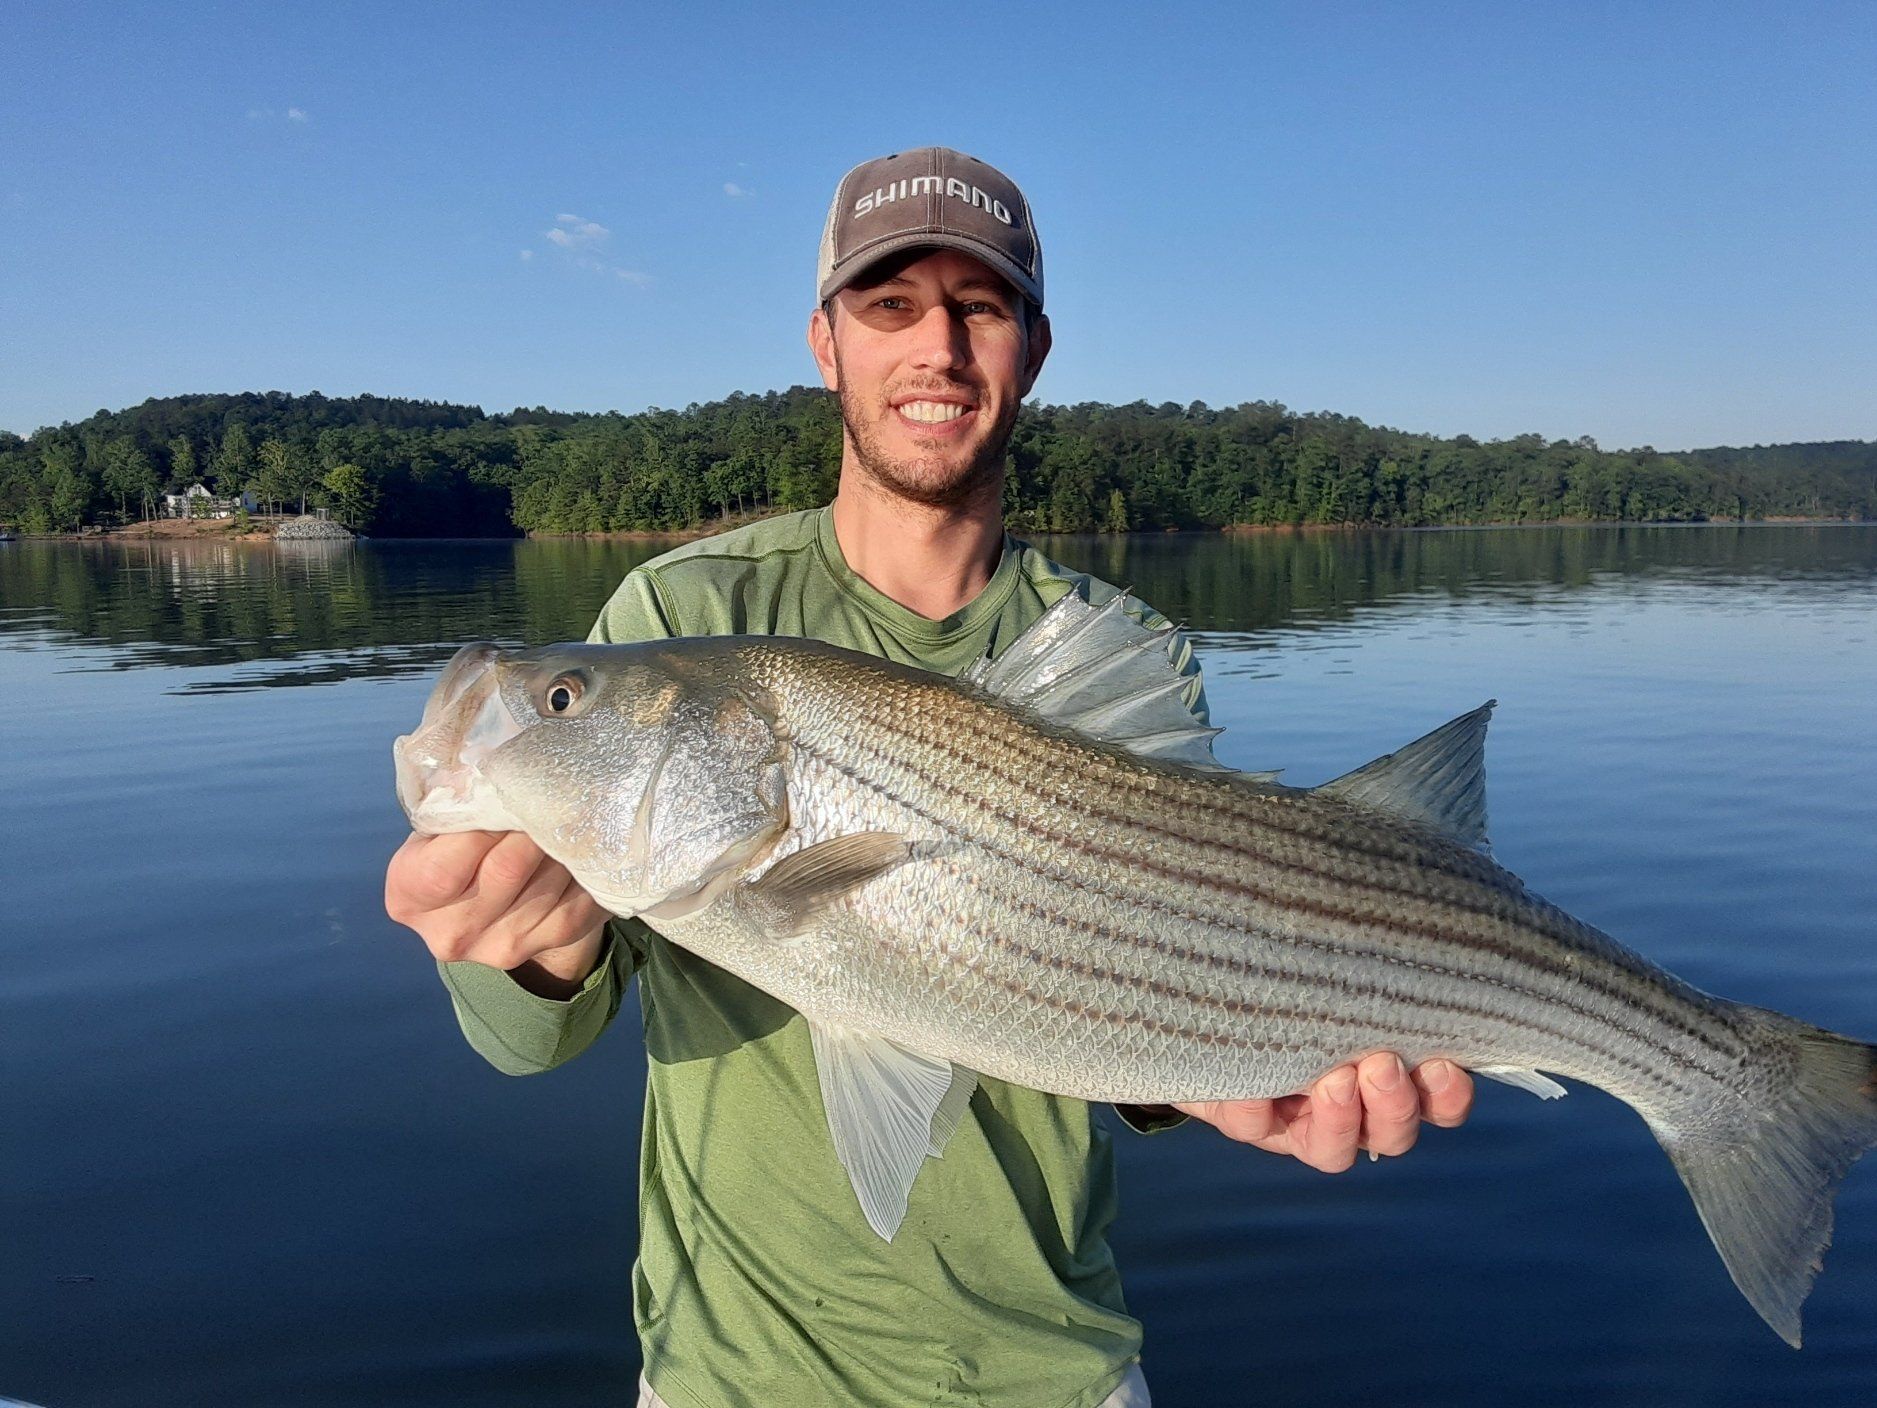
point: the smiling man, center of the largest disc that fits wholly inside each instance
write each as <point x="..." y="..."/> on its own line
<point x="759" y="1281"/>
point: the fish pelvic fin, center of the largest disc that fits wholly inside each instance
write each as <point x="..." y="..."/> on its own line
<point x="889" y="1110"/>
<point x="1763" y="1176"/>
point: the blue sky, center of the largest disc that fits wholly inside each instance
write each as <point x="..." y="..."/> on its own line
<point x="1647" y="223"/>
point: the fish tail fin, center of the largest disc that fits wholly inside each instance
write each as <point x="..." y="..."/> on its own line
<point x="1763" y="1174"/>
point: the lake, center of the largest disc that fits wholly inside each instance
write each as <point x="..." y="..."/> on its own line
<point x="246" y="1159"/>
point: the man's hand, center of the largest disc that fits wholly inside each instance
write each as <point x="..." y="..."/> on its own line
<point x="1375" y="1104"/>
<point x="495" y="897"/>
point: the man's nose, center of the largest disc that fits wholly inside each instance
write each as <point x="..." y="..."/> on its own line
<point x="938" y="339"/>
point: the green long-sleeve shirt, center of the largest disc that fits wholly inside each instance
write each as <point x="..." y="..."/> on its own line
<point x="758" y="1282"/>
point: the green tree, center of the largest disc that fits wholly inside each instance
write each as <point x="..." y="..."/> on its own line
<point x="67" y="489"/>
<point x="234" y="461"/>
<point x="183" y="470"/>
<point x="354" y="495"/>
<point x="1071" y="502"/>
<point x="67" y="498"/>
<point x="1115" y="520"/>
<point x="274" y="480"/>
<point x="303" y="475"/>
<point x="128" y="474"/>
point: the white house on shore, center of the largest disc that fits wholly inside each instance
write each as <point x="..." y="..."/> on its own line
<point x="197" y="502"/>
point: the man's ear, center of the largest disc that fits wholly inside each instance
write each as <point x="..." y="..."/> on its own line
<point x="1039" y="349"/>
<point x="821" y="344"/>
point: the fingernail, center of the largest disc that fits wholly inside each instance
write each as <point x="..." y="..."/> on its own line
<point x="1340" y="1086"/>
<point x="1436" y="1076"/>
<point x="1389" y="1076"/>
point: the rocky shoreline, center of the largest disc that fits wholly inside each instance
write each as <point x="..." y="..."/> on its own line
<point x="310" y="529"/>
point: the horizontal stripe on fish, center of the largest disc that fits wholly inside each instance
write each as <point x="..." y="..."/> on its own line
<point x="1482" y="899"/>
<point x="1291" y="986"/>
<point x="1507" y="943"/>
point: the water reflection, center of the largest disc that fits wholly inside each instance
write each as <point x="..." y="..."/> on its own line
<point x="239" y="1110"/>
<point x="305" y="613"/>
<point x="316" y="613"/>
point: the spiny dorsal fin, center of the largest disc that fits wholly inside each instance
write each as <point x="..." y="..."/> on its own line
<point x="1105" y="673"/>
<point x="1439" y="780"/>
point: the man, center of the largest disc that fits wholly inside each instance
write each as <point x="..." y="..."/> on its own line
<point x="758" y="1280"/>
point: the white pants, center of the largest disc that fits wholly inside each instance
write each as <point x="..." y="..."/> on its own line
<point x="1132" y="1393"/>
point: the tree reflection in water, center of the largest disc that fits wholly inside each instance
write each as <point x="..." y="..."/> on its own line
<point x="313" y="613"/>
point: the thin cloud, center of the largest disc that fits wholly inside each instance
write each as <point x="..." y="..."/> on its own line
<point x="583" y="243"/>
<point x="571" y="232"/>
<point x="736" y="192"/>
<point x="297" y="115"/>
<point x="526" y="255"/>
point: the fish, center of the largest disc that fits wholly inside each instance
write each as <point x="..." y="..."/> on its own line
<point x="1039" y="871"/>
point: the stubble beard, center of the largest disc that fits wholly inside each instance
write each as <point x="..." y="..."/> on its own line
<point x="932" y="480"/>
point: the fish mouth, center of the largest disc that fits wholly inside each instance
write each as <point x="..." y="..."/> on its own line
<point x="439" y="764"/>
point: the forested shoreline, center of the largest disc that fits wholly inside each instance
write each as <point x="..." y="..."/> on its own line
<point x="396" y="467"/>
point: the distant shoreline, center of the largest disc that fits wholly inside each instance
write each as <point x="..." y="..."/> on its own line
<point x="183" y="530"/>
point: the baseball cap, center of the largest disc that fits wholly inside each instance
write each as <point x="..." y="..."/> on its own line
<point x="931" y="197"/>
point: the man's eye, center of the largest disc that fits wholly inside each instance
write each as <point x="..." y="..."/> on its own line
<point x="890" y="303"/>
<point x="973" y="310"/>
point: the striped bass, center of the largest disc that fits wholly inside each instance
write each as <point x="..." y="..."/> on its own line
<point x="1040" y="873"/>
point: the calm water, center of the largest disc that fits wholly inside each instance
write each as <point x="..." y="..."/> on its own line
<point x="246" y="1159"/>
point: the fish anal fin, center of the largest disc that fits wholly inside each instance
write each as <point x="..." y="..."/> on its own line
<point x="889" y="1109"/>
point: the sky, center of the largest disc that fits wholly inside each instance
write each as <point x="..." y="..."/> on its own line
<point x="1651" y="224"/>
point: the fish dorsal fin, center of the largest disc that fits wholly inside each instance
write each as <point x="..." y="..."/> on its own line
<point x="889" y="1110"/>
<point x="1439" y="780"/>
<point x="1102" y="672"/>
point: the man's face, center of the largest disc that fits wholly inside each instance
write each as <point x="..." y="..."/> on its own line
<point x="931" y="359"/>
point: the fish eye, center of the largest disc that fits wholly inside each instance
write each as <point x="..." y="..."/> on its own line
<point x="564" y="692"/>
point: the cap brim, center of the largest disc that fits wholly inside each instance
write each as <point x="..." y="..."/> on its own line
<point x="853" y="268"/>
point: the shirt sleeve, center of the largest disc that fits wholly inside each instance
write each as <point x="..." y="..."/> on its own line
<point x="636" y="611"/>
<point x="521" y="1033"/>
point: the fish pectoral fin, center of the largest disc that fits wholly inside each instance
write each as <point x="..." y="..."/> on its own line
<point x="1525" y="1078"/>
<point x="889" y="1109"/>
<point x="797" y="890"/>
<point x="1438" y="780"/>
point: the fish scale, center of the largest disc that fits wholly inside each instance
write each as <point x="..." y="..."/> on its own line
<point x="1041" y="874"/>
<point x="881" y="746"/>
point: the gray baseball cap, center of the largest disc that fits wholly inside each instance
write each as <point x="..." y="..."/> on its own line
<point x="930" y="198"/>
